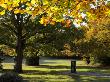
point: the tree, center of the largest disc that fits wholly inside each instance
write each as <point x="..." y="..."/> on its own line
<point x="96" y="41"/>
<point x="52" y="40"/>
<point x="17" y="15"/>
<point x="101" y="41"/>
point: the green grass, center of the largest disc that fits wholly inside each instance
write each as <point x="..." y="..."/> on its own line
<point x="59" y="71"/>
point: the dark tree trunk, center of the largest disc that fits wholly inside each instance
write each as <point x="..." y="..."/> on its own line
<point x="20" y="44"/>
<point x="19" y="52"/>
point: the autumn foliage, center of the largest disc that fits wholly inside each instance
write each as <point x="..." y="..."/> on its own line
<point x="55" y="9"/>
<point x="21" y="15"/>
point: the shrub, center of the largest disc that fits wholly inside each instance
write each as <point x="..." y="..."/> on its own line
<point x="32" y="61"/>
<point x="10" y="77"/>
<point x="105" y="60"/>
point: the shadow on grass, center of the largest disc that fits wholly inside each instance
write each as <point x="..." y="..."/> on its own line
<point x="80" y="76"/>
<point x="95" y="70"/>
<point x="92" y="67"/>
<point x="61" y="69"/>
<point x="53" y="67"/>
<point x="34" y="72"/>
<point x="6" y="70"/>
<point x="88" y="70"/>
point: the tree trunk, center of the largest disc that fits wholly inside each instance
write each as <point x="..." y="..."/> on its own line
<point x="20" y="43"/>
<point x="19" y="57"/>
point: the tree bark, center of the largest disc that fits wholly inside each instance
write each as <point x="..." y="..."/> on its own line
<point x="20" y="43"/>
<point x="19" y="52"/>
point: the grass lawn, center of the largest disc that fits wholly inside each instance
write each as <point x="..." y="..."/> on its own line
<point x="52" y="70"/>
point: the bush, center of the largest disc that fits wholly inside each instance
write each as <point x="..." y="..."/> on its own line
<point x="32" y="61"/>
<point x="105" y="60"/>
<point x="10" y="77"/>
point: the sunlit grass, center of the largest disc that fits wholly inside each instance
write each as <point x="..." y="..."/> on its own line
<point x="60" y="71"/>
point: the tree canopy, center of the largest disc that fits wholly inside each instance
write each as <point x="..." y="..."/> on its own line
<point x="57" y="10"/>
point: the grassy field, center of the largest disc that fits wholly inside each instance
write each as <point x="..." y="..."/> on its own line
<point x="52" y="70"/>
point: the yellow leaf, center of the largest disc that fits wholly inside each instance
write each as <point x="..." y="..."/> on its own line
<point x="33" y="1"/>
<point x="21" y="11"/>
<point x="16" y="11"/>
<point x="23" y="1"/>
<point x="28" y="11"/>
<point x="1" y="1"/>
<point x="88" y="14"/>
<point x="42" y="20"/>
<point x="45" y="2"/>
<point x="15" y="3"/>
<point x="6" y="1"/>
<point x="10" y="8"/>
<point x="28" y="4"/>
<point x="4" y="6"/>
<point x="2" y="12"/>
<point x="52" y="22"/>
<point x="59" y="20"/>
<point x="108" y="12"/>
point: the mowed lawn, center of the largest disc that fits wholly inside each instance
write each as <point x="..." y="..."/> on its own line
<point x="59" y="70"/>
